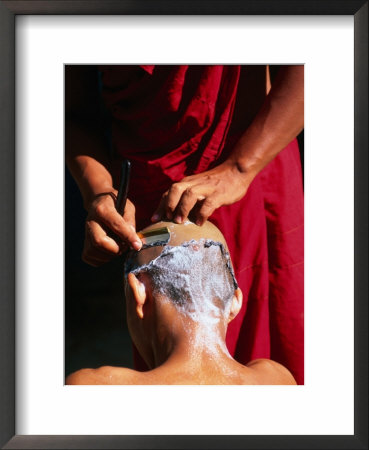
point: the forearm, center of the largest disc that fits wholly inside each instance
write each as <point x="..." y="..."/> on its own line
<point x="279" y="121"/>
<point x="87" y="160"/>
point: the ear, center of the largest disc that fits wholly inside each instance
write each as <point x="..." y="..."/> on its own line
<point x="139" y="293"/>
<point x="236" y="304"/>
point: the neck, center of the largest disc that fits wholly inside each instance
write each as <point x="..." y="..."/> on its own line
<point x="187" y="341"/>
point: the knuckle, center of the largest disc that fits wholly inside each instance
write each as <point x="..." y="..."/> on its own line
<point x="115" y="225"/>
<point x="96" y="242"/>
<point x="176" y="187"/>
<point x="100" y="209"/>
<point x="189" y="192"/>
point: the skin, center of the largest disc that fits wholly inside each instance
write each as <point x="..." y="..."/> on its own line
<point x="278" y="121"/>
<point x="176" y="349"/>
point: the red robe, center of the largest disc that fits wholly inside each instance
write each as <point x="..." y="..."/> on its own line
<point x="174" y="121"/>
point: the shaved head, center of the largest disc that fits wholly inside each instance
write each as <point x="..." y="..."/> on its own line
<point x="193" y="269"/>
<point x="179" y="233"/>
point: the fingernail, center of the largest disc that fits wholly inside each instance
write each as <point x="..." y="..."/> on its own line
<point x="137" y="245"/>
<point x="155" y="218"/>
<point x="178" y="219"/>
<point x="198" y="222"/>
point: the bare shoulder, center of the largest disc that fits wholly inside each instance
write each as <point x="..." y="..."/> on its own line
<point x="104" y="376"/>
<point x="270" y="372"/>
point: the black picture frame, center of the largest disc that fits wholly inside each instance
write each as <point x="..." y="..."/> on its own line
<point x="8" y="11"/>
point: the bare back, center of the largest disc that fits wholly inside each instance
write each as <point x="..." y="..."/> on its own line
<point x="257" y="372"/>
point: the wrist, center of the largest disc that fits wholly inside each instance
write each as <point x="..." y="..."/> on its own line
<point x="241" y="169"/>
<point x="91" y="196"/>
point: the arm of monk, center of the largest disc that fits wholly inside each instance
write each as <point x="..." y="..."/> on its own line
<point x="87" y="160"/>
<point x="278" y="122"/>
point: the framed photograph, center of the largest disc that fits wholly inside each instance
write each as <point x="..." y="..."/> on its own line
<point x="37" y="41"/>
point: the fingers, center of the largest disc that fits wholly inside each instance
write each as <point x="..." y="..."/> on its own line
<point x="160" y="210"/>
<point x="200" y="194"/>
<point x="173" y="198"/>
<point x="169" y="202"/>
<point x="98" y="248"/>
<point x="108" y="233"/>
<point x="115" y="222"/>
<point x="189" y="199"/>
<point x="182" y="199"/>
<point x="209" y="205"/>
<point x="99" y="240"/>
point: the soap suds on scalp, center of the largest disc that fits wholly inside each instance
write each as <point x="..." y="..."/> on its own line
<point x="192" y="276"/>
<point x="197" y="277"/>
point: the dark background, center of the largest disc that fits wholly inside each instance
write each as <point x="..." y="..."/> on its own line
<point x="95" y="321"/>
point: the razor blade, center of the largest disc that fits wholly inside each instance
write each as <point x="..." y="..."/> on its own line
<point x="152" y="238"/>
